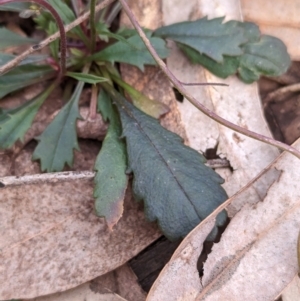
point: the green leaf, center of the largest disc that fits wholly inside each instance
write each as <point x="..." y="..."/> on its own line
<point x="133" y="52"/>
<point x="179" y="191"/>
<point x="56" y="144"/>
<point x="5" y="58"/>
<point x="210" y="37"/>
<point x="268" y="57"/>
<point x="68" y="16"/>
<point x="14" y="123"/>
<point x="87" y="78"/>
<point x="104" y="105"/>
<point x="8" y="38"/>
<point x="15" y="7"/>
<point x="151" y="107"/>
<point x="23" y="76"/>
<point x="227" y="67"/>
<point x="129" y="32"/>
<point x="111" y="179"/>
<point x="262" y="55"/>
<point x="105" y="34"/>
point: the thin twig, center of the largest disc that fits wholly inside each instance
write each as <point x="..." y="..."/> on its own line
<point x="282" y="91"/>
<point x="193" y="100"/>
<point x="11" y="64"/>
<point x="46" y="178"/>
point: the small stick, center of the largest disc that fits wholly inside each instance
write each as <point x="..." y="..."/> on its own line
<point x="193" y="100"/>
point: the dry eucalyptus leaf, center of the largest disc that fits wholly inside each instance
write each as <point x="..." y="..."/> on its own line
<point x="238" y="103"/>
<point x="51" y="240"/>
<point x="179" y="280"/>
<point x="120" y="284"/>
<point x="292" y="291"/>
<point x="278" y="18"/>
<point x="81" y="293"/>
<point x="256" y="257"/>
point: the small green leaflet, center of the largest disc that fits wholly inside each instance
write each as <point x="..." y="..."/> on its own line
<point x="111" y="179"/>
<point x="133" y="52"/>
<point x="268" y="57"/>
<point x="8" y="38"/>
<point x="87" y="78"/>
<point x="178" y="190"/>
<point x="23" y="76"/>
<point x="210" y="37"/>
<point x="56" y="144"/>
<point x="14" y="123"/>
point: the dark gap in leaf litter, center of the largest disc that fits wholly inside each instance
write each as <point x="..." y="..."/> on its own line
<point x="179" y="97"/>
<point x="148" y="263"/>
<point x="207" y="246"/>
<point x="27" y="25"/>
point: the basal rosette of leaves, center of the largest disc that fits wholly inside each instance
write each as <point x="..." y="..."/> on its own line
<point x="177" y="188"/>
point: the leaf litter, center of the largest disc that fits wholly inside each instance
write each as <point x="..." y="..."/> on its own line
<point x="257" y="249"/>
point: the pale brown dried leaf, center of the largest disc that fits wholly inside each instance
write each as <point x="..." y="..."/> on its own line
<point x="51" y="240"/>
<point x="120" y="284"/>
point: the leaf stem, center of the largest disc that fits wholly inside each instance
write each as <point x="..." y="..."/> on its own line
<point x="60" y="24"/>
<point x="11" y="64"/>
<point x="93" y="25"/>
<point x="93" y="103"/>
<point x="193" y="100"/>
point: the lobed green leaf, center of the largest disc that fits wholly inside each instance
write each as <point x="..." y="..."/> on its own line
<point x="262" y="55"/>
<point x="178" y="190"/>
<point x="132" y="52"/>
<point x="111" y="179"/>
<point x="210" y="37"/>
<point x="59" y="139"/>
